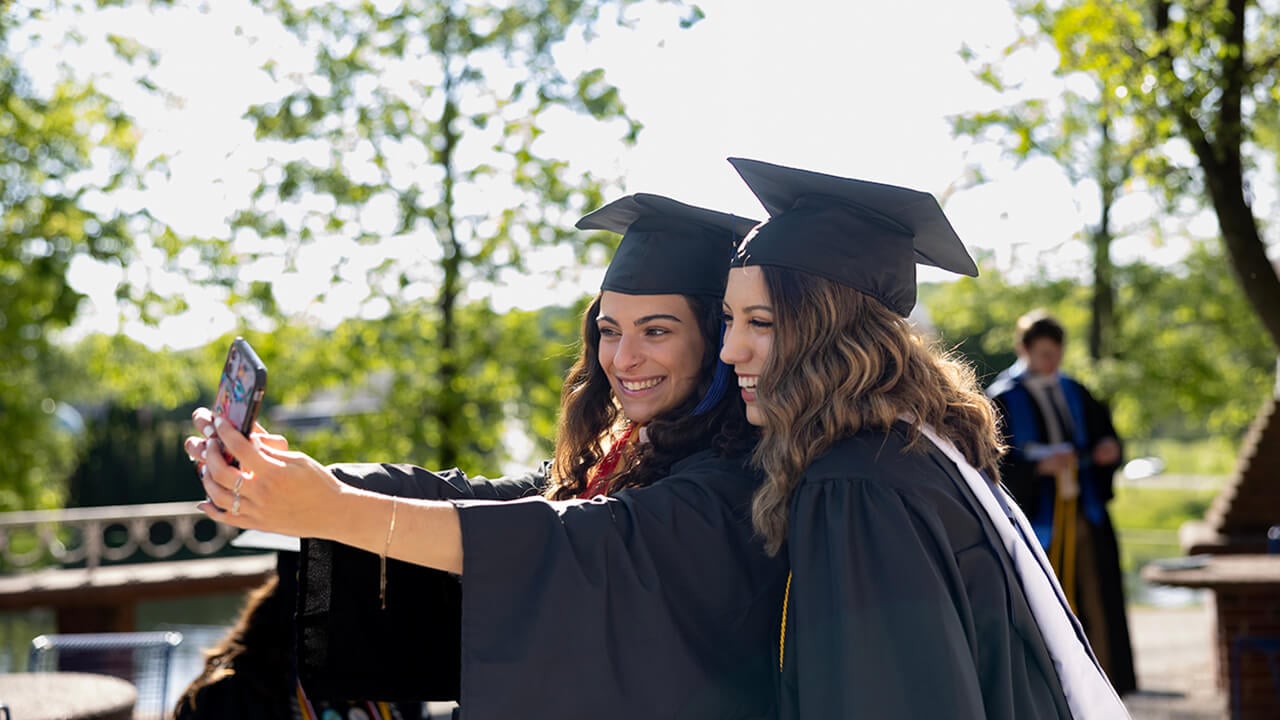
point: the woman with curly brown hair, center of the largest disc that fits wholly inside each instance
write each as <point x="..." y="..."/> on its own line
<point x="627" y="582"/>
<point x="914" y="592"/>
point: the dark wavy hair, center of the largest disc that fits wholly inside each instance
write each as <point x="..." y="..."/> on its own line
<point x="842" y="362"/>
<point x="589" y="412"/>
<point x="257" y="650"/>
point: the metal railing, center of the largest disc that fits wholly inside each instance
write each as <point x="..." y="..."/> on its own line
<point x="114" y="533"/>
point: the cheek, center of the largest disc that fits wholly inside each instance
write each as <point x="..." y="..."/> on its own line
<point x="763" y="347"/>
<point x="687" y="363"/>
<point x="604" y="356"/>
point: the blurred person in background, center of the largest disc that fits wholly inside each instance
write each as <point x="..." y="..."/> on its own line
<point x="1060" y="467"/>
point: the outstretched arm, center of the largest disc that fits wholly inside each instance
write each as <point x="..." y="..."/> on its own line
<point x="289" y="492"/>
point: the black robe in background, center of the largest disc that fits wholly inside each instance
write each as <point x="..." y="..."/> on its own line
<point x="903" y="601"/>
<point x="652" y="603"/>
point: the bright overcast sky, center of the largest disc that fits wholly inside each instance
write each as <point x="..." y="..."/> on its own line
<point x="852" y="88"/>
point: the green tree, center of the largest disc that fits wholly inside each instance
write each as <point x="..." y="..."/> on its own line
<point x="1190" y="361"/>
<point x="374" y="374"/>
<point x="1201" y="77"/>
<point x="1090" y="126"/>
<point x="48" y="185"/>
<point x="430" y="112"/>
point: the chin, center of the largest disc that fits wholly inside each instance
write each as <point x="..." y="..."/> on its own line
<point x="638" y="415"/>
<point x="754" y="416"/>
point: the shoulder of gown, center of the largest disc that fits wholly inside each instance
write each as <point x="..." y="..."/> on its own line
<point x="900" y="603"/>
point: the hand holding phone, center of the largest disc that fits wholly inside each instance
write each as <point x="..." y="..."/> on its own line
<point x="240" y="389"/>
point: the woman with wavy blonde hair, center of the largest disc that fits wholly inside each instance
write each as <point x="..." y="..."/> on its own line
<point x="914" y="591"/>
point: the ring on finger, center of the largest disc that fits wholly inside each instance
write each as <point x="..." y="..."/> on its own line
<point x="235" y="503"/>
<point x="239" y="484"/>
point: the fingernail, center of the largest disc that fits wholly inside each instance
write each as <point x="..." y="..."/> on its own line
<point x="204" y="454"/>
<point x="204" y="470"/>
<point x="207" y="430"/>
<point x="217" y="421"/>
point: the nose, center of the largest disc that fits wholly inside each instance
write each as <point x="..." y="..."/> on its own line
<point x="733" y="351"/>
<point x="627" y="355"/>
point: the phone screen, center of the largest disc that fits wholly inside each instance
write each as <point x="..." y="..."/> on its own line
<point x="238" y="392"/>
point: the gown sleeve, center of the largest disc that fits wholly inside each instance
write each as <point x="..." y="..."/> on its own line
<point x="349" y="646"/>
<point x="652" y="603"/>
<point x="878" y="624"/>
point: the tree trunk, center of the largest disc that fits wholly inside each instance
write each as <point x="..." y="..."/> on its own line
<point x="1102" y="323"/>
<point x="447" y="408"/>
<point x="1253" y="269"/>
<point x="1218" y="151"/>
<point x="1102" y="319"/>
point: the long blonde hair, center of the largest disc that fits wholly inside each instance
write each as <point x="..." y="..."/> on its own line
<point x="843" y="362"/>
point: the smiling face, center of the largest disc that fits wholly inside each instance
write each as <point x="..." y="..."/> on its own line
<point x="651" y="349"/>
<point x="748" y="339"/>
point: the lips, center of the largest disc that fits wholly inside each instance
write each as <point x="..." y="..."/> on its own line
<point x="640" y="385"/>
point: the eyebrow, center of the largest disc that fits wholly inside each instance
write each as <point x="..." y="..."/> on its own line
<point x="752" y="308"/>
<point x="643" y="320"/>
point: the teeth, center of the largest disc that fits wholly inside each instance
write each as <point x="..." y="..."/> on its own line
<point x="747" y="382"/>
<point x="640" y="385"/>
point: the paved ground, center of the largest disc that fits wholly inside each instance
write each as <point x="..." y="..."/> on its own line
<point x="1173" y="651"/>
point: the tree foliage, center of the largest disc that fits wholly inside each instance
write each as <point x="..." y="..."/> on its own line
<point x="1197" y="81"/>
<point x="419" y="124"/>
<point x="60" y="150"/>
<point x="341" y="394"/>
<point x="1191" y="359"/>
<point x="1086" y="122"/>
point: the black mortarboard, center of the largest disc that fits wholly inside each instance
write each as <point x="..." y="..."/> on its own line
<point x="667" y="247"/>
<point x="865" y="235"/>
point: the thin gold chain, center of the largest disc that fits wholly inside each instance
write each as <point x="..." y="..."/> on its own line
<point x="782" y="635"/>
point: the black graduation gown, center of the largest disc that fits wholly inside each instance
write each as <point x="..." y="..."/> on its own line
<point x="903" y="601"/>
<point x="349" y="646"/>
<point x="656" y="602"/>
<point x="1019" y="476"/>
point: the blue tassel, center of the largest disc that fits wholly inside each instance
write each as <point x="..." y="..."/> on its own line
<point x="719" y="382"/>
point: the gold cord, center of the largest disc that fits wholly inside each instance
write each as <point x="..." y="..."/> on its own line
<point x="382" y="559"/>
<point x="782" y="635"/>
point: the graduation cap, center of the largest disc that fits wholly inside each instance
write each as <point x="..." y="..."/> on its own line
<point x="865" y="235"/>
<point x="667" y="247"/>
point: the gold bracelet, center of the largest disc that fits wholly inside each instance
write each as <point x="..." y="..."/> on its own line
<point x="382" y="559"/>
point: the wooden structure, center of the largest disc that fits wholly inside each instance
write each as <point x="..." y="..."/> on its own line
<point x="1227" y="555"/>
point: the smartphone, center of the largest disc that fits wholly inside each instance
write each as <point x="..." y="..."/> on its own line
<point x="240" y="390"/>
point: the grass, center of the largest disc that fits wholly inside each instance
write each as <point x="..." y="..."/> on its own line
<point x="1158" y="508"/>
<point x="1147" y="518"/>
<point x="1213" y="456"/>
<point x="1147" y="522"/>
